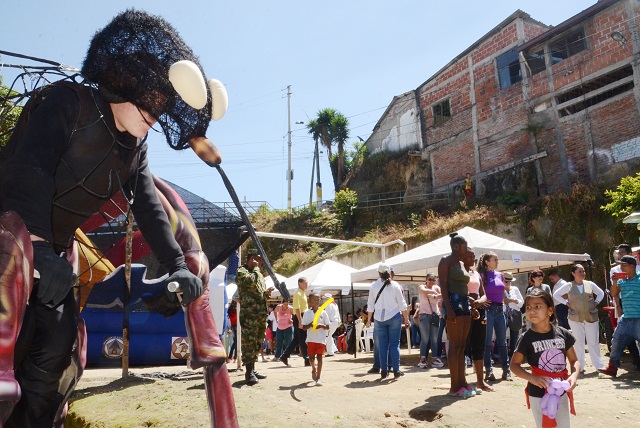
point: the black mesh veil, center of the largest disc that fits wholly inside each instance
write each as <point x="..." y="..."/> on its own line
<point x="129" y="60"/>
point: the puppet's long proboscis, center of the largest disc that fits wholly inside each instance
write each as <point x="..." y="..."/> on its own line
<point x="245" y="219"/>
<point x="16" y="282"/>
<point x="206" y="349"/>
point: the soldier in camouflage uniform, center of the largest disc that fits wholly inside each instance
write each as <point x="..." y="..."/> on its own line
<point x="253" y="295"/>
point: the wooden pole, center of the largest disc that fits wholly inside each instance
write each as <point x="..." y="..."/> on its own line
<point x="127" y="296"/>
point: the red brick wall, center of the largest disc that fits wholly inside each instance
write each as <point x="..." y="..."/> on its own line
<point x="575" y="146"/>
<point x="532" y="30"/>
<point x="551" y="165"/>
<point x="502" y="114"/>
<point x="612" y="124"/>
<point x="452" y="162"/>
<point x="499" y="152"/>
<point x="602" y="51"/>
<point x="507" y="36"/>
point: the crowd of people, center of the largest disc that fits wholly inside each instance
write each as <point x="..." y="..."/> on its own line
<point x="481" y="310"/>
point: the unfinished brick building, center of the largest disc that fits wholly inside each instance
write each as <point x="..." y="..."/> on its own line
<point x="527" y="106"/>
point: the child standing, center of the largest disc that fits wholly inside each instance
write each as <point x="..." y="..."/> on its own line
<point x="316" y="339"/>
<point x="546" y="347"/>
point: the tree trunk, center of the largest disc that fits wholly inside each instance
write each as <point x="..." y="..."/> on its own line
<point x="340" y="172"/>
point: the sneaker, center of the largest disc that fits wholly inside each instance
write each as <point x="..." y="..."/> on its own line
<point x="373" y="370"/>
<point x="307" y="363"/>
<point x="285" y="361"/>
<point x="437" y="363"/>
<point x="383" y="375"/>
<point x="398" y="374"/>
<point x="422" y="365"/>
<point x="506" y="375"/>
<point x="318" y="382"/>
<point x="275" y="359"/>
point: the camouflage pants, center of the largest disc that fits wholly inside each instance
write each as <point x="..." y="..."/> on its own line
<point x="253" y="330"/>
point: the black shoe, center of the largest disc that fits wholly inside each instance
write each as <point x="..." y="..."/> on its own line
<point x="373" y="370"/>
<point x="398" y="374"/>
<point x="489" y="376"/>
<point x="249" y="375"/>
<point x="383" y="375"/>
<point x="285" y="361"/>
<point x="307" y="363"/>
<point x="506" y="375"/>
<point x="251" y="379"/>
<point x="258" y="375"/>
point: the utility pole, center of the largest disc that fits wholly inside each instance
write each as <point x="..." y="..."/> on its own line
<point x="289" y="172"/>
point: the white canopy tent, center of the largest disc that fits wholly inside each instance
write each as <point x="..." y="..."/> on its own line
<point x="325" y="277"/>
<point x="413" y="265"/>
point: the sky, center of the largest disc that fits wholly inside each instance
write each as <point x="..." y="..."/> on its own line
<point x="353" y="56"/>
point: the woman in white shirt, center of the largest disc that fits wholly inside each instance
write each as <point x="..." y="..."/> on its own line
<point x="389" y="309"/>
<point x="582" y="299"/>
<point x="514" y="299"/>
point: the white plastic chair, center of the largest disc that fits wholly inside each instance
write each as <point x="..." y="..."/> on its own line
<point x="359" y="340"/>
<point x="367" y="337"/>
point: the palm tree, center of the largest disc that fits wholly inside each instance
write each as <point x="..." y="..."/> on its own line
<point x="340" y="133"/>
<point x="314" y="129"/>
<point x="332" y="128"/>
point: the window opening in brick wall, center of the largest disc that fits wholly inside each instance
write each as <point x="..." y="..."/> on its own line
<point x="595" y="91"/>
<point x="569" y="45"/>
<point x="441" y="112"/>
<point x="535" y="61"/>
<point x="508" y="68"/>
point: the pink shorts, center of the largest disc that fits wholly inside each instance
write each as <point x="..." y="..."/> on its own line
<point x="314" y="348"/>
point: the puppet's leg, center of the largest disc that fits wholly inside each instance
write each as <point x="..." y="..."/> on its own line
<point x="16" y="281"/>
<point x="207" y="350"/>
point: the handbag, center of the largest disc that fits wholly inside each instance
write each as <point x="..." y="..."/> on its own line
<point x="434" y="320"/>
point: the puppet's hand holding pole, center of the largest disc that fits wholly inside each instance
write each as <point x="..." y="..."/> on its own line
<point x="56" y="274"/>
<point x="188" y="284"/>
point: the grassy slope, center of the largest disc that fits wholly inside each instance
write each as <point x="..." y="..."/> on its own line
<point x="571" y="222"/>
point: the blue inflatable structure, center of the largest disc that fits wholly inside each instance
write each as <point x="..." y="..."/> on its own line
<point x="154" y="339"/>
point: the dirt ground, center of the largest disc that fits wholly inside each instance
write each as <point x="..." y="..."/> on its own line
<point x="175" y="397"/>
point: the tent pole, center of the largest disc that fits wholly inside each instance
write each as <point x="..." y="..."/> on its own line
<point x="353" y="311"/>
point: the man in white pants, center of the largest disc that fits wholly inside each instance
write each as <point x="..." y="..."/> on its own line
<point x="334" y="321"/>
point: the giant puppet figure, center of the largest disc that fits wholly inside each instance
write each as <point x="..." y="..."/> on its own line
<point x="77" y="143"/>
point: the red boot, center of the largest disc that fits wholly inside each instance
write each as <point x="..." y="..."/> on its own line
<point x="611" y="370"/>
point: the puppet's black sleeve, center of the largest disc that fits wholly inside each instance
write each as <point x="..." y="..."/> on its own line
<point x="152" y="219"/>
<point x="27" y="183"/>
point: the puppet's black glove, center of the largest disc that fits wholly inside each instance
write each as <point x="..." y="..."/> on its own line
<point x="190" y="285"/>
<point x="56" y="274"/>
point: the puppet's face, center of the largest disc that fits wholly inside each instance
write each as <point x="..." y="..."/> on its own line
<point x="131" y="119"/>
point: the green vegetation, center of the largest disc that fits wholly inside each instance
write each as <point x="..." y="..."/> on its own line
<point x="564" y="222"/>
<point x="625" y="198"/>
<point x="345" y="203"/>
<point x="8" y="114"/>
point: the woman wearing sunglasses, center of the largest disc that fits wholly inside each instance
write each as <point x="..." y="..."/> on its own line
<point x="535" y="282"/>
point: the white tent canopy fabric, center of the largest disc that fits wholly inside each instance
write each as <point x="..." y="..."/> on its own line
<point x="413" y="265"/>
<point x="325" y="277"/>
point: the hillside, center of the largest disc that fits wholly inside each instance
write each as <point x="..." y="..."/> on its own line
<point x="570" y="222"/>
